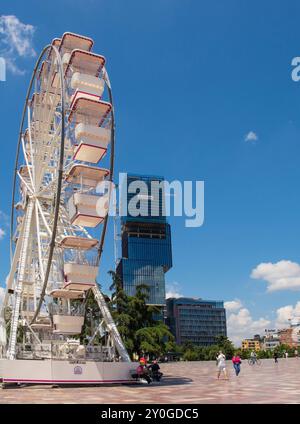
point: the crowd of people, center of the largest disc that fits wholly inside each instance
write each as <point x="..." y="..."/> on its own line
<point x="152" y="371"/>
<point x="236" y="362"/>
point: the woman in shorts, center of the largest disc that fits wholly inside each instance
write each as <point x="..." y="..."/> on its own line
<point x="221" y="364"/>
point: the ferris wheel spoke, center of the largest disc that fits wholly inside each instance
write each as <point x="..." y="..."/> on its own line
<point x="48" y="186"/>
<point x="48" y="155"/>
<point x="43" y="217"/>
<point x="47" y="145"/>
<point x="46" y="93"/>
<point x="25" y="183"/>
<point x="30" y="143"/>
<point x="38" y="229"/>
<point x="28" y="167"/>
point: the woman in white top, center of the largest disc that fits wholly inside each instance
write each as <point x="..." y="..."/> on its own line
<point x="221" y="363"/>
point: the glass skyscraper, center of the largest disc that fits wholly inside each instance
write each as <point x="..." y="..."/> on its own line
<point x="196" y="320"/>
<point x="146" y="239"/>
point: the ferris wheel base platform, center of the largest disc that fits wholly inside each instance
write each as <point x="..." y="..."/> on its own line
<point x="61" y="372"/>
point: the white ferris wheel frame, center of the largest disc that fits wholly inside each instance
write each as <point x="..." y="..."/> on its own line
<point x="37" y="221"/>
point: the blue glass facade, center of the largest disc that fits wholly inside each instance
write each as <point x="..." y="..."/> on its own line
<point x="145" y="193"/>
<point x="146" y="245"/>
<point x="135" y="273"/>
<point x="196" y="320"/>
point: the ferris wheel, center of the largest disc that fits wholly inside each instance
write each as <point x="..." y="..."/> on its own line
<point x="60" y="203"/>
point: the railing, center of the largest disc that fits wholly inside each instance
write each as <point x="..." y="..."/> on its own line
<point x="95" y="352"/>
<point x="31" y="351"/>
<point x="74" y="310"/>
<point x="65" y="351"/>
<point x="86" y="258"/>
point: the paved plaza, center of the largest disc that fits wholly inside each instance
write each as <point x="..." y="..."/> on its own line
<point x="184" y="382"/>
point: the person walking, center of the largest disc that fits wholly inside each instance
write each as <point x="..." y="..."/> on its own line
<point x="253" y="357"/>
<point x="236" y="360"/>
<point x="296" y="353"/>
<point x="276" y="356"/>
<point x="221" y="364"/>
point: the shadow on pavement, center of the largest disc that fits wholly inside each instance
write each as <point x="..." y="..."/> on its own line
<point x="166" y="381"/>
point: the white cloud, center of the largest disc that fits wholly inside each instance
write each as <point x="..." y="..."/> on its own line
<point x="11" y="65"/>
<point x="15" y="41"/>
<point x="288" y="314"/>
<point x="251" y="136"/>
<point x="233" y="305"/>
<point x="173" y="290"/>
<point x="282" y="275"/>
<point x="241" y="325"/>
<point x="2" y="233"/>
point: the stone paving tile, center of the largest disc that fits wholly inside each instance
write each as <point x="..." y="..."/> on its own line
<point x="184" y="382"/>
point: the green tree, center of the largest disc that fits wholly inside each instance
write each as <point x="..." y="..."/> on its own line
<point x="120" y="310"/>
<point x="141" y="333"/>
<point x="225" y="345"/>
<point x="91" y="318"/>
<point x="152" y="340"/>
<point x="188" y="345"/>
<point x="211" y="352"/>
<point x="283" y="348"/>
<point x="190" y="355"/>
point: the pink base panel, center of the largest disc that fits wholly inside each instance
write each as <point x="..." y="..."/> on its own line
<point x="11" y="380"/>
<point x="50" y="371"/>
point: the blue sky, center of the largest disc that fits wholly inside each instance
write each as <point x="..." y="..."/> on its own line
<point x="191" y="79"/>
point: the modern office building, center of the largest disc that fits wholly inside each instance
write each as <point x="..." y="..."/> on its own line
<point x="146" y="239"/>
<point x="196" y="320"/>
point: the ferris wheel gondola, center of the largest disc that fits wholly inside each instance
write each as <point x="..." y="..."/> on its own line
<point x="67" y="128"/>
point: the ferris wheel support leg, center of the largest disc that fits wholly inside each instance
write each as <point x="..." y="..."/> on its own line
<point x="10" y="277"/>
<point x="32" y="332"/>
<point x="19" y="286"/>
<point x="98" y="330"/>
<point x="110" y="324"/>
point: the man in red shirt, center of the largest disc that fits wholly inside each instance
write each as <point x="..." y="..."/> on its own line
<point x="142" y="371"/>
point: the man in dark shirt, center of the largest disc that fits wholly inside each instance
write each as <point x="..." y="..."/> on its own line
<point x="156" y="374"/>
